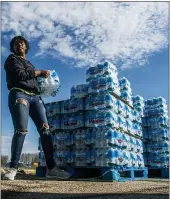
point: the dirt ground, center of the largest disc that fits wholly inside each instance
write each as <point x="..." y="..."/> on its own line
<point x="32" y="187"/>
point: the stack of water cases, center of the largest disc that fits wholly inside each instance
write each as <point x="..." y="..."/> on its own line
<point x="112" y="129"/>
<point x="103" y="77"/>
<point x="96" y="127"/>
<point x="125" y="90"/>
<point x="155" y="128"/>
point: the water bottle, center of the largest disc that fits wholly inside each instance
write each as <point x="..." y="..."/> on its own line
<point x="101" y="157"/>
<point x="49" y="86"/>
<point x="73" y="91"/>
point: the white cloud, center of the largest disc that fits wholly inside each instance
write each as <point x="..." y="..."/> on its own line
<point x="82" y="33"/>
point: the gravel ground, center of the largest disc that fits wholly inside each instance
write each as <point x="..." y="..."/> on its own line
<point x="32" y="187"/>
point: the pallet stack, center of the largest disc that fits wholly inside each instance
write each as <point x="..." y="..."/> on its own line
<point x="156" y="139"/>
<point x="97" y="129"/>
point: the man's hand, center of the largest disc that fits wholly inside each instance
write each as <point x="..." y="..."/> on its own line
<point x="43" y="73"/>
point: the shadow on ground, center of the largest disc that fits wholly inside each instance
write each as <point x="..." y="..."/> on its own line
<point x="37" y="195"/>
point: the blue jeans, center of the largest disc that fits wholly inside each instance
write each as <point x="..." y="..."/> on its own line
<point x="22" y="105"/>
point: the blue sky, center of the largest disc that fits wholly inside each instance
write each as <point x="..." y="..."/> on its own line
<point x="132" y="35"/>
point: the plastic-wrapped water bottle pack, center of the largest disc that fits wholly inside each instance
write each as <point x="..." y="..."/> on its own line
<point x="72" y="105"/>
<point x="53" y="108"/>
<point x="104" y="69"/>
<point x="156" y="122"/>
<point x="138" y="104"/>
<point x="156" y="112"/>
<point x="161" y="161"/>
<point x="101" y="101"/>
<point x="62" y="140"/>
<point x="155" y="103"/>
<point x="41" y="159"/>
<point x="54" y="122"/>
<point x="72" y="121"/>
<point x="158" y="148"/>
<point x="79" y="91"/>
<point x="49" y="86"/>
<point x="125" y="85"/>
<point x="97" y="119"/>
<point x="125" y="90"/>
<point x="62" y="157"/>
<point x="126" y="96"/>
<point x="103" y="84"/>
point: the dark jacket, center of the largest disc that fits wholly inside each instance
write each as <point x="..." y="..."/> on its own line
<point x="20" y="73"/>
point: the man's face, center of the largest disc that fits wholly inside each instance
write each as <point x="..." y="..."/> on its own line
<point x="19" y="47"/>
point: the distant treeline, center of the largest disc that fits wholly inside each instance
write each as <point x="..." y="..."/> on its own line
<point x="27" y="158"/>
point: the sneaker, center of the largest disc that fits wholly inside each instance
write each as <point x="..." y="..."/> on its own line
<point x="10" y="175"/>
<point x="57" y="173"/>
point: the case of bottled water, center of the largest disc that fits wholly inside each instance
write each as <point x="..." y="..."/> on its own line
<point x="54" y="122"/>
<point x="158" y="135"/>
<point x="79" y="91"/>
<point x="103" y="84"/>
<point x="126" y="96"/>
<point x="155" y="102"/>
<point x="138" y="100"/>
<point x="106" y="137"/>
<point x="133" y="144"/>
<point x="120" y="108"/>
<point x="65" y="106"/>
<point x="126" y="141"/>
<point x="72" y="105"/>
<point x="137" y="117"/>
<point x="52" y="108"/>
<point x="133" y="160"/>
<point x="96" y="119"/>
<point x="64" y="122"/>
<point x="101" y="101"/>
<point x="138" y="104"/>
<point x="41" y="159"/>
<point x="104" y="69"/>
<point x="60" y="140"/>
<point x="49" y="86"/>
<point x="103" y="157"/>
<point x="76" y="121"/>
<point x="76" y="104"/>
<point x="137" y="130"/>
<point x="121" y="123"/>
<point x="60" y="157"/>
<point x="139" y="146"/>
<point x="157" y="122"/>
<point x="82" y="157"/>
<point x="128" y="112"/>
<point x="79" y="139"/>
<point x="69" y="139"/>
<point x="159" y="148"/>
<point x="124" y="84"/>
<point x="158" y="161"/>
